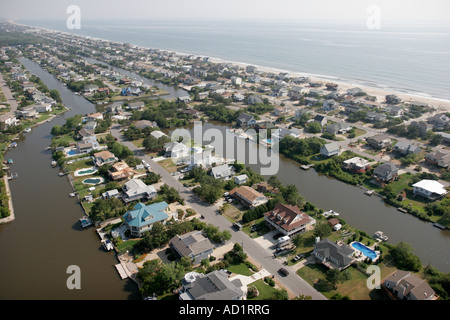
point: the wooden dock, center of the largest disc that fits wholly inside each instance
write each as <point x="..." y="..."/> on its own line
<point x="121" y="271"/>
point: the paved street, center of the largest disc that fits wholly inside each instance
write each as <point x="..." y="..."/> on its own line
<point x="293" y="283"/>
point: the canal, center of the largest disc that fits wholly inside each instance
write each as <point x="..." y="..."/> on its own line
<point x="367" y="213"/>
<point x="45" y="238"/>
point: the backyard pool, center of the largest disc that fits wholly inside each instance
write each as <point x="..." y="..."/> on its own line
<point x="85" y="172"/>
<point x="366" y="251"/>
<point x="72" y="152"/>
<point x="93" y="181"/>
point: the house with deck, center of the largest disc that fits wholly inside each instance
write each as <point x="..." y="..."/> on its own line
<point x="103" y="157"/>
<point x="248" y="196"/>
<point x="289" y="220"/>
<point x="333" y="255"/>
<point x="192" y="245"/>
<point x="136" y="189"/>
<point x="385" y="173"/>
<point x="404" y="285"/>
<point x="330" y="149"/>
<point x="429" y="189"/>
<point x="142" y="217"/>
<point x="379" y="141"/>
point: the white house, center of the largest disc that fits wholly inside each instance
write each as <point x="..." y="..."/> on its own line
<point x="240" y="179"/>
<point x="430" y="189"/>
<point x="136" y="189"/>
<point x="223" y="171"/>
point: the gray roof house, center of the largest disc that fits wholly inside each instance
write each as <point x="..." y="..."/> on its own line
<point x="136" y="189"/>
<point x="332" y="255"/>
<point x="245" y="119"/>
<point x="405" y="148"/>
<point x="321" y="120"/>
<point x="192" y="245"/>
<point x="440" y="158"/>
<point x="338" y="127"/>
<point x="330" y="149"/>
<point x="385" y="172"/>
<point x="404" y="285"/>
<point x="223" y="171"/>
<point x="212" y="286"/>
<point x="379" y="141"/>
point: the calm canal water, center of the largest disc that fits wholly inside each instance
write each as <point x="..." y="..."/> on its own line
<point x="366" y="213"/>
<point x="46" y="238"/>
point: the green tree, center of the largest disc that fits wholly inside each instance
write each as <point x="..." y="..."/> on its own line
<point x="404" y="258"/>
<point x="322" y="230"/>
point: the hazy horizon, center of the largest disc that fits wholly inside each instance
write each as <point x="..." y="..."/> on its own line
<point x="298" y="10"/>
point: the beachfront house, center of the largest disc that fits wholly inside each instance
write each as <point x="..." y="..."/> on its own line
<point x="429" y="189"/>
<point x="142" y="217"/>
<point x="289" y="220"/>
<point x="248" y="196"/>
<point x="136" y="189"/>
<point x="333" y="255"/>
<point x="405" y="285"/>
<point x="192" y="245"/>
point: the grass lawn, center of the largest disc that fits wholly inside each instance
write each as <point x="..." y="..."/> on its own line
<point x="240" y="268"/>
<point x="126" y="245"/>
<point x="231" y="212"/>
<point x="265" y="291"/>
<point x="262" y="228"/>
<point x="169" y="165"/>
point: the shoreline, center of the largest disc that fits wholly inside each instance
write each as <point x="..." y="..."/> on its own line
<point x="440" y="103"/>
<point x="11" y="216"/>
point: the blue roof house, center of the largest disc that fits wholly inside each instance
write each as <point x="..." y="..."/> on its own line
<point x="142" y="218"/>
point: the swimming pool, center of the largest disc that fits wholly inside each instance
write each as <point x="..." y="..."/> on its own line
<point x="85" y="172"/>
<point x="72" y="152"/>
<point x="93" y="181"/>
<point x="366" y="251"/>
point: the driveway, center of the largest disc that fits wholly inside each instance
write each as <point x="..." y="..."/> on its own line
<point x="267" y="241"/>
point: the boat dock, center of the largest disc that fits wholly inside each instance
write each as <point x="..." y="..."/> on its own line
<point x="121" y="271"/>
<point x="440" y="226"/>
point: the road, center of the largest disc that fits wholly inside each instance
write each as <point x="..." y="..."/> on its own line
<point x="293" y="283"/>
<point x="8" y="95"/>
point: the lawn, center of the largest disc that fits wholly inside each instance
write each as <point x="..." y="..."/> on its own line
<point x="169" y="165"/>
<point x="126" y="246"/>
<point x="265" y="291"/>
<point x="240" y="268"/>
<point x="231" y="212"/>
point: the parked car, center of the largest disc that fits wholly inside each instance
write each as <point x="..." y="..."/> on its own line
<point x="284" y="272"/>
<point x="298" y="257"/>
<point x="278" y="235"/>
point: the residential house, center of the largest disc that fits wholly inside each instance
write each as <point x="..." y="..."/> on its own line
<point x="405" y="148"/>
<point x="330" y="105"/>
<point x="43" y="107"/>
<point x="141" y="124"/>
<point x="175" y="149"/>
<point x="393" y="99"/>
<point x="310" y="101"/>
<point x="439" y="121"/>
<point x="94" y="116"/>
<point x="356" y="165"/>
<point x="253" y="99"/>
<point x="184" y="99"/>
<point x="221" y="172"/>
<point x="114" y="193"/>
<point x="131" y="91"/>
<point x="439" y="158"/>
<point x="103" y="157"/>
<point x="241" y="179"/>
<point x="423" y="127"/>
<point x="8" y="120"/>
<point x="192" y="245"/>
<point x="249" y="196"/>
<point x="338" y="128"/>
<point x="289" y="220"/>
<point x="142" y="217"/>
<point x="429" y="189"/>
<point x="394" y="111"/>
<point x="405" y="285"/>
<point x="355" y="91"/>
<point x="375" y="117"/>
<point x="212" y="286"/>
<point x="90" y="88"/>
<point x="158" y="134"/>
<point x="379" y="141"/>
<point x="136" y="189"/>
<point x="245" y="119"/>
<point x="121" y="171"/>
<point x="321" y="120"/>
<point x="236" y="80"/>
<point x="28" y="112"/>
<point x="237" y="97"/>
<point x="385" y="173"/>
<point x="84" y="133"/>
<point x="332" y="86"/>
<point x="330" y="149"/>
<point x="333" y="255"/>
<point x="136" y="105"/>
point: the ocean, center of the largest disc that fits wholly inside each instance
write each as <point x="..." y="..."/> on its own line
<point x="408" y="58"/>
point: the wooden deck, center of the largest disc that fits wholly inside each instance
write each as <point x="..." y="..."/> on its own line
<point x="121" y="271"/>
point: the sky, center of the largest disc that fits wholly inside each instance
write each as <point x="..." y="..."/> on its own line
<point x="302" y="10"/>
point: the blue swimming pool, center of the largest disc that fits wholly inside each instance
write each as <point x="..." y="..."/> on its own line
<point x="72" y="152"/>
<point x="366" y="251"/>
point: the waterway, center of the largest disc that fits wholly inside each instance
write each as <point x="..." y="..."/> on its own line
<point x="367" y="213"/>
<point x="46" y="238"/>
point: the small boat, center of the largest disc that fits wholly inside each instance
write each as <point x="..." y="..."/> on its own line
<point x="47" y="148"/>
<point x="369" y="192"/>
<point x="61" y="174"/>
<point x="72" y="194"/>
<point x="54" y="163"/>
<point x="107" y="244"/>
<point x="27" y="130"/>
<point x="380" y="235"/>
<point x="85" y="222"/>
<point x="12" y="145"/>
